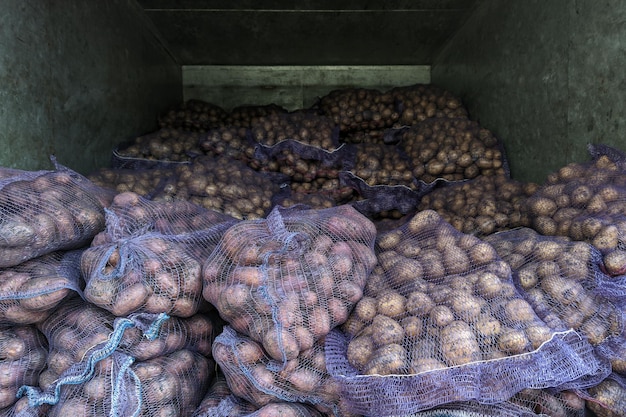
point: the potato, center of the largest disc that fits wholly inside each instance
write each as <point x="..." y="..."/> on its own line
<point x="513" y="342"/>
<point x="441" y="316"/>
<point x="614" y="262"/>
<point x="390" y="303"/>
<point x="387" y="359"/>
<point x="386" y="330"/>
<point x="459" y="344"/>
<point x="608" y="398"/>
<point x="518" y="310"/>
<point x="488" y="285"/>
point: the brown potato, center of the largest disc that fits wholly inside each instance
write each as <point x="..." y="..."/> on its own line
<point x="386" y="360"/>
<point x="390" y="303"/>
<point x="360" y="350"/>
<point x="513" y="342"/>
<point x="386" y="330"/>
<point x="459" y="344"/>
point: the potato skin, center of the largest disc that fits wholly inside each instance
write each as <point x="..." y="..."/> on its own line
<point x="459" y="345"/>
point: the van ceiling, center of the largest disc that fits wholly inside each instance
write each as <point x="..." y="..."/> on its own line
<point x="306" y="32"/>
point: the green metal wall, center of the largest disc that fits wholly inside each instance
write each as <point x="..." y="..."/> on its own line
<point x="76" y="78"/>
<point x="545" y="76"/>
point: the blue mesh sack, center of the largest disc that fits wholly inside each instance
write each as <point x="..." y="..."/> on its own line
<point x="255" y="377"/>
<point x="78" y="331"/>
<point x="221" y="402"/>
<point x="23" y="351"/>
<point x="526" y="403"/>
<point x="563" y="282"/>
<point x="46" y="211"/>
<point x="441" y="322"/>
<point x="30" y="291"/>
<point x="149" y="257"/>
<point x="287" y="280"/>
<point x="585" y="202"/>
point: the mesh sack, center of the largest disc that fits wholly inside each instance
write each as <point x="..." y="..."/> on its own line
<point x="380" y="164"/>
<point x="316" y="195"/>
<point x="286" y="280"/>
<point x="30" y="291"/>
<point x="162" y="148"/>
<point x="526" y="403"/>
<point x="419" y="102"/>
<point x="248" y="114"/>
<point x="145" y="182"/>
<point x="21" y="408"/>
<point x="562" y="281"/>
<point x="232" y="141"/>
<point x="385" y="201"/>
<point x="117" y="385"/>
<point x="23" y="352"/>
<point x="149" y="257"/>
<point x="608" y="398"/>
<point x="47" y="211"/>
<point x="480" y="206"/>
<point x="224" y="185"/>
<point x="194" y="115"/>
<point x="254" y="376"/>
<point x="442" y="322"/>
<point x="222" y="401"/>
<point x="79" y="331"/>
<point x="359" y="110"/>
<point x="452" y="149"/>
<point x="585" y="201"/>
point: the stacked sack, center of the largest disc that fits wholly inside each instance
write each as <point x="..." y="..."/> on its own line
<point x="441" y="321"/>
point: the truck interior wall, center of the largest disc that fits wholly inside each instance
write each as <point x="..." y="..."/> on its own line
<point x="78" y="79"/>
<point x="290" y="86"/>
<point x="546" y="77"/>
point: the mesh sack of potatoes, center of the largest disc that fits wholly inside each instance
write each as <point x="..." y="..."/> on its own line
<point x="288" y="279"/>
<point x="232" y="141"/>
<point x="419" y="102"/>
<point x="359" y="109"/>
<point x="46" y="211"/>
<point x="261" y="380"/>
<point x="162" y="148"/>
<point x="221" y="402"/>
<point x="562" y="281"/>
<point x="320" y="193"/>
<point x="608" y="398"/>
<point x="223" y="185"/>
<point x="145" y="181"/>
<point x="526" y="403"/>
<point x="481" y="206"/>
<point x="30" y="291"/>
<point x="586" y="202"/>
<point x="247" y="115"/>
<point x="23" y="351"/>
<point x="194" y="115"/>
<point x="450" y="148"/>
<point x="149" y="257"/>
<point x="443" y="322"/>
<point x="80" y="334"/>
<point x="118" y="385"/>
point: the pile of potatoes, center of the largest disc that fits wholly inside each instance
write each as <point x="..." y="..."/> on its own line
<point x="46" y="211"/>
<point x="558" y="277"/>
<point x="585" y="201"/>
<point x="481" y="206"/>
<point x="165" y="145"/>
<point x="79" y="330"/>
<point x="232" y="141"/>
<point x="195" y="116"/>
<point x="23" y="352"/>
<point x="248" y="115"/>
<point x="424" y="101"/>
<point x="223" y="185"/>
<point x="442" y="305"/>
<point x="260" y="380"/>
<point x="451" y="148"/>
<point x="287" y="280"/>
<point x="30" y="291"/>
<point x="380" y="164"/>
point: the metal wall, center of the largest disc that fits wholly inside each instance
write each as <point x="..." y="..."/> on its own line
<point x="76" y="78"/>
<point x="545" y="76"/>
